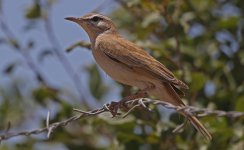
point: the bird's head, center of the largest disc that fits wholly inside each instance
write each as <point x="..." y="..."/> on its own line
<point x="94" y="24"/>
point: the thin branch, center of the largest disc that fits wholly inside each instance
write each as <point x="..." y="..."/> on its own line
<point x="82" y="44"/>
<point x="132" y="105"/>
<point x="21" y="49"/>
<point x="62" y="59"/>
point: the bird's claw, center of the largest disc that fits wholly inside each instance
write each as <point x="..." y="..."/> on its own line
<point x="115" y="106"/>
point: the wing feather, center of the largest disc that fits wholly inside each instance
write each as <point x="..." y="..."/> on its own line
<point x="131" y="55"/>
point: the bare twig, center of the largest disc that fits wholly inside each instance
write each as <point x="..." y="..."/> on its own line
<point x="83" y="44"/>
<point x="62" y="59"/>
<point x="142" y="102"/>
<point x="180" y="127"/>
<point x="21" y="49"/>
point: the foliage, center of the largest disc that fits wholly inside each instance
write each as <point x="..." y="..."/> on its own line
<point x="200" y="41"/>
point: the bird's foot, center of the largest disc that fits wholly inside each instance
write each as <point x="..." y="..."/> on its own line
<point x="115" y="106"/>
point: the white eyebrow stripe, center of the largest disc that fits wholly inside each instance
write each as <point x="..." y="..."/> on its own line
<point x="95" y="15"/>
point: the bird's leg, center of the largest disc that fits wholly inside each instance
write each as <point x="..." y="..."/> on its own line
<point x="140" y="94"/>
<point x="114" y="106"/>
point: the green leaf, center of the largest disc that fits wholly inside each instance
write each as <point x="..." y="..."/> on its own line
<point x="176" y="118"/>
<point x="202" y="5"/>
<point x="43" y="92"/>
<point x="198" y="81"/>
<point x="151" y="18"/>
<point x="128" y="137"/>
<point x="239" y="106"/>
<point x="96" y="85"/>
<point x="228" y="22"/>
<point x="133" y="3"/>
<point x="153" y="139"/>
<point x="34" y="11"/>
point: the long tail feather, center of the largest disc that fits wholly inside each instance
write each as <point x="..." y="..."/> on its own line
<point x="166" y="93"/>
<point x="199" y="126"/>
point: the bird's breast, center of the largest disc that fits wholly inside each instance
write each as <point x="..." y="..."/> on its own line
<point x="114" y="69"/>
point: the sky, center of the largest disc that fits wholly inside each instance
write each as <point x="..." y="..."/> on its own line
<point x="66" y="32"/>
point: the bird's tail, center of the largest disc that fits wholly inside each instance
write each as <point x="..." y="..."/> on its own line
<point x="166" y="93"/>
<point x="199" y="126"/>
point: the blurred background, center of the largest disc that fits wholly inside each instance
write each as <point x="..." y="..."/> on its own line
<point x="45" y="66"/>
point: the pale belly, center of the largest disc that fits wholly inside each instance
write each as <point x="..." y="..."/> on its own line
<point x="119" y="72"/>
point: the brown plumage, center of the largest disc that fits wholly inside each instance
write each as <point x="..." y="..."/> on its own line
<point x="127" y="63"/>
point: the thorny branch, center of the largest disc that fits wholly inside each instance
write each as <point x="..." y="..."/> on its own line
<point x="130" y="106"/>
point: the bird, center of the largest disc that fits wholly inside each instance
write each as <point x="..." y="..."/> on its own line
<point x="127" y="63"/>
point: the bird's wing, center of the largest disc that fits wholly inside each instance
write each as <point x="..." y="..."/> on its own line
<point x="132" y="56"/>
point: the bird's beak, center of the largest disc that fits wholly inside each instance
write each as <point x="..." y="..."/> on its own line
<point x="74" y="19"/>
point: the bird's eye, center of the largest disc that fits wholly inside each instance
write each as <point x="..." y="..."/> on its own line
<point x="95" y="19"/>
